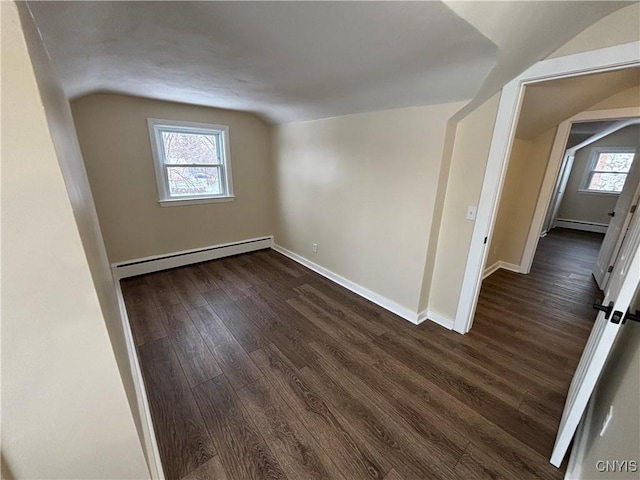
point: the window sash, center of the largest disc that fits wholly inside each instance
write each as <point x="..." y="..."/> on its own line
<point x="595" y="190"/>
<point x="221" y="179"/>
<point x="157" y="129"/>
<point x="190" y="131"/>
<point x="592" y="170"/>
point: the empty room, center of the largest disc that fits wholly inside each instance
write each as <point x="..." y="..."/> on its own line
<point x="338" y="240"/>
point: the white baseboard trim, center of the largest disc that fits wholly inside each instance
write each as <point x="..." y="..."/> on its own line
<point x="384" y="302"/>
<point x="140" y="266"/>
<point x="489" y="270"/>
<point x="152" y="453"/>
<point x="436" y="317"/>
<point x="580" y="225"/>
<point x="512" y="267"/>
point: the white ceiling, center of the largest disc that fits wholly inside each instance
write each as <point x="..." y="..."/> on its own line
<point x="290" y="61"/>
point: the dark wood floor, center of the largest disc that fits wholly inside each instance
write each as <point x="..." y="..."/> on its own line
<point x="256" y="367"/>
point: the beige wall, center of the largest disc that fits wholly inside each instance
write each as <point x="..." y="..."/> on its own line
<point x="363" y="188"/>
<point x="60" y="122"/>
<point x="588" y="207"/>
<point x="626" y="98"/>
<point x="615" y="29"/>
<point x="468" y="163"/>
<point x="64" y="409"/>
<point x="525" y="173"/>
<point x="114" y="138"/>
<point x="441" y="193"/>
<point x="499" y="245"/>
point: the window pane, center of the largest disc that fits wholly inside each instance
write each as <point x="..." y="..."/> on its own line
<point x="188" y="181"/>
<point x="190" y="148"/>
<point x="614" y="162"/>
<point x="607" y="182"/>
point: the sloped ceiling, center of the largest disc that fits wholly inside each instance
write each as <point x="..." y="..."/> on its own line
<point x="291" y="61"/>
<point x="526" y="32"/>
<point x="546" y="104"/>
<point x="582" y="131"/>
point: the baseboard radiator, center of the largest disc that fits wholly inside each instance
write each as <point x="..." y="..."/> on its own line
<point x="141" y="266"/>
<point x="581" y="225"/>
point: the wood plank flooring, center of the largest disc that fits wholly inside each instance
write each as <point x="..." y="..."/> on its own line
<point x="256" y="367"/>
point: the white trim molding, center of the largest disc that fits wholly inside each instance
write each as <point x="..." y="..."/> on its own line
<point x="152" y="453"/>
<point x="390" y="305"/>
<point x="159" y="126"/>
<point x="491" y="269"/>
<point x="436" y="317"/>
<point x="512" y="267"/>
<point x="581" y="225"/>
<point x="606" y="59"/>
<point x="140" y="266"/>
<point x="196" y="201"/>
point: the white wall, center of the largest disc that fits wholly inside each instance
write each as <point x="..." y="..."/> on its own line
<point x="65" y="411"/>
<point x="114" y="138"/>
<point x="363" y="187"/>
<point x="589" y="207"/>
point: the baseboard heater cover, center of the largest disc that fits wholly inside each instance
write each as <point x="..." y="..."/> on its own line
<point x="581" y="225"/>
<point x="141" y="266"/>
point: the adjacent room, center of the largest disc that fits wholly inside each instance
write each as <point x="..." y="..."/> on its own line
<point x="337" y="240"/>
<point x="553" y="250"/>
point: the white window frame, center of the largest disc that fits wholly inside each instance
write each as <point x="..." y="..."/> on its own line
<point x="156" y="127"/>
<point x="591" y="164"/>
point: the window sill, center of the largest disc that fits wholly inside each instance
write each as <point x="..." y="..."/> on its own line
<point x="600" y="194"/>
<point x="194" y="201"/>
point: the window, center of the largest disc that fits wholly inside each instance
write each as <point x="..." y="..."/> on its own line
<point x="608" y="170"/>
<point x="192" y="162"/>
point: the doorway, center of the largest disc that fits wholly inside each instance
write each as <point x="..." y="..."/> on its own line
<point x="503" y="143"/>
<point x="547" y="313"/>
<point x="596" y="190"/>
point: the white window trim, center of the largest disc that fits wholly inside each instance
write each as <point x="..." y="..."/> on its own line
<point x="586" y="176"/>
<point x="164" y="198"/>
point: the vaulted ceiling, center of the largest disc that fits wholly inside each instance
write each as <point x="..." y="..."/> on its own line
<point x="290" y="61"/>
<point x="546" y="104"/>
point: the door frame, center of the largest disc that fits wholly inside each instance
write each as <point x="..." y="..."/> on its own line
<point x="556" y="159"/>
<point x="606" y="59"/>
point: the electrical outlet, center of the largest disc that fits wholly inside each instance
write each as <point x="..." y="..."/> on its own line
<point x="472" y="211"/>
<point x="315" y="248"/>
